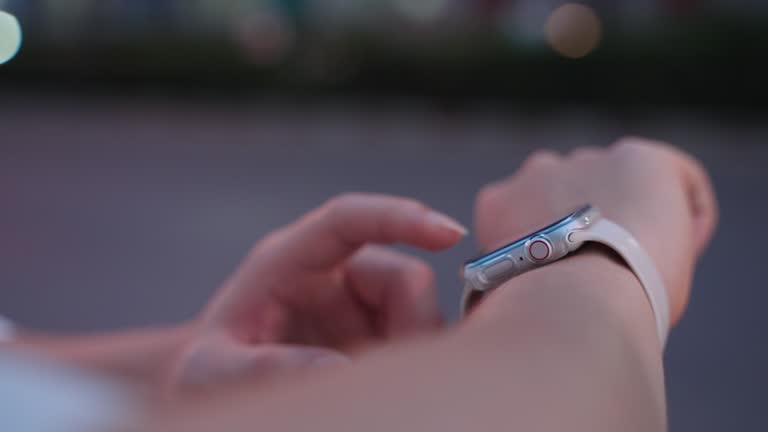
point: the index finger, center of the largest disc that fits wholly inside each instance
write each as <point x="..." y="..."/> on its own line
<point x="331" y="233"/>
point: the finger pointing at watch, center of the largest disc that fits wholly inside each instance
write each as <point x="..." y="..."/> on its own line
<point x="313" y="282"/>
<point x="330" y="234"/>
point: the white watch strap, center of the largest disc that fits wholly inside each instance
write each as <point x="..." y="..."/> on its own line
<point x="621" y="241"/>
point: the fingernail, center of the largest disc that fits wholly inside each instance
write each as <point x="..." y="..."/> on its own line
<point x="443" y="221"/>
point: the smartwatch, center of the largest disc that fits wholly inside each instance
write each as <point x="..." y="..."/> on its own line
<point x="554" y="242"/>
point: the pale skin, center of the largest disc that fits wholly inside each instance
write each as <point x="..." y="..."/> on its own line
<point x="596" y="367"/>
<point x="273" y="315"/>
<point x="570" y="346"/>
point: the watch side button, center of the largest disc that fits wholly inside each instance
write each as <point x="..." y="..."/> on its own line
<point x="499" y="270"/>
<point x="539" y="250"/>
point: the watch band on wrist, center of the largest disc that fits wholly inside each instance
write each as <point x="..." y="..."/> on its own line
<point x="622" y="242"/>
<point x="555" y="242"/>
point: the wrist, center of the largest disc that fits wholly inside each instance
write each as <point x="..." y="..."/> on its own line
<point x="586" y="293"/>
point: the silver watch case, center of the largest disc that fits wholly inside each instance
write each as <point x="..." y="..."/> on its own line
<point x="543" y="247"/>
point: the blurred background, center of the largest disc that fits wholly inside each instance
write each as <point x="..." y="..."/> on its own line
<point x="146" y="144"/>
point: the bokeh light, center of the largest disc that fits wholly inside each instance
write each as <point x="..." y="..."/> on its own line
<point x="10" y="36"/>
<point x="573" y="30"/>
<point x="264" y="36"/>
<point x="522" y="22"/>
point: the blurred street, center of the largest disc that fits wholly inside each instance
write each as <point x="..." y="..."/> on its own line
<point x="118" y="213"/>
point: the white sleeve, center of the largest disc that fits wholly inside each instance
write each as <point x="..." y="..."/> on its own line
<point x="37" y="395"/>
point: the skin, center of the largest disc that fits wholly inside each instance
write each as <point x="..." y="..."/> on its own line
<point x="661" y="195"/>
<point x="596" y="367"/>
<point x="318" y="290"/>
<point x="567" y="346"/>
<point x="273" y="314"/>
<point x="141" y="356"/>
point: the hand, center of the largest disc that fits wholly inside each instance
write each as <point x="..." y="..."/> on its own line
<point x="318" y="282"/>
<point x="662" y="196"/>
<point x="214" y="360"/>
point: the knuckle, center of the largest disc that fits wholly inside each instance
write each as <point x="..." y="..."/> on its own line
<point x="421" y="271"/>
<point x="488" y="194"/>
<point x="628" y="142"/>
<point x="341" y="201"/>
<point x="542" y="155"/>
<point x="417" y="279"/>
<point x="539" y="160"/>
<point x="275" y="237"/>
<point x="637" y="144"/>
<point x="337" y="207"/>
<point x="269" y="242"/>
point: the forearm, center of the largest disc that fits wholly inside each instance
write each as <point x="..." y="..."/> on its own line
<point x="571" y="346"/>
<point x="583" y="333"/>
<point x="141" y="355"/>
